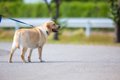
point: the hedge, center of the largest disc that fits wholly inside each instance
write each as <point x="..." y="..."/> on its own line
<point x="71" y="9"/>
<point x="88" y="9"/>
<point x="85" y="0"/>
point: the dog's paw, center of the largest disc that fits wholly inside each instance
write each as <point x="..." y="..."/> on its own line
<point x="24" y="61"/>
<point x="29" y="60"/>
<point x="42" y="61"/>
<point x="10" y="61"/>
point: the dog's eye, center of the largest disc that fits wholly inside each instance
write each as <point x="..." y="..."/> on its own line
<point x="54" y="24"/>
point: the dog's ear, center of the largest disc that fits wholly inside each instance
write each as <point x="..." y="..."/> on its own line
<point x="48" y="25"/>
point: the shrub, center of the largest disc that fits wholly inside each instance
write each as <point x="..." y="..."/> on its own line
<point x="82" y="9"/>
<point x="67" y="9"/>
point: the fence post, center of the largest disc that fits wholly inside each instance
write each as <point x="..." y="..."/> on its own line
<point x="88" y="29"/>
<point x="17" y="26"/>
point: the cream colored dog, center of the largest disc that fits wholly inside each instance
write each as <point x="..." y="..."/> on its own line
<point x="32" y="38"/>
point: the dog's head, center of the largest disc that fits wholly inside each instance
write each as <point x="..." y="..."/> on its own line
<point x="52" y="26"/>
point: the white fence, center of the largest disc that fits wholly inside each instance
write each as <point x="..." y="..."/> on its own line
<point x="86" y="23"/>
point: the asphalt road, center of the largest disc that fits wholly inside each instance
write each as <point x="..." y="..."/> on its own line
<point x="63" y="62"/>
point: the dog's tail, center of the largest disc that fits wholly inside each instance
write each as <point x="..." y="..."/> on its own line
<point x="16" y="40"/>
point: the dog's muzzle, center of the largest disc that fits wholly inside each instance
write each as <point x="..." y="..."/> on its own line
<point x="56" y="30"/>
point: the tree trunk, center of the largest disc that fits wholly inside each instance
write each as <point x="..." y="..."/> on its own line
<point x="56" y="18"/>
<point x="118" y="23"/>
<point x="118" y="32"/>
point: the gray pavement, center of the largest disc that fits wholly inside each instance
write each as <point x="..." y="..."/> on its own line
<point x="63" y="62"/>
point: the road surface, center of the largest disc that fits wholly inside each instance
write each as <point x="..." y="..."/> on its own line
<point x="63" y="62"/>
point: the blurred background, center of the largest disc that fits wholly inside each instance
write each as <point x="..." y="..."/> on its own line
<point x="82" y="21"/>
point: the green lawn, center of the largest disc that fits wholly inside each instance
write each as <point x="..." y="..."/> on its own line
<point x="72" y="36"/>
<point x="78" y="37"/>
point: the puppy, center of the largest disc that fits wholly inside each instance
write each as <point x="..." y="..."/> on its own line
<point x="32" y="38"/>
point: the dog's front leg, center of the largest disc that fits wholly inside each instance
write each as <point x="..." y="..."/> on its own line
<point x="29" y="56"/>
<point x="23" y="53"/>
<point x="40" y="53"/>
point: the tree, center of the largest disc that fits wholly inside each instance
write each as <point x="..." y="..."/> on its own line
<point x="56" y="16"/>
<point x="115" y="9"/>
<point x="10" y="0"/>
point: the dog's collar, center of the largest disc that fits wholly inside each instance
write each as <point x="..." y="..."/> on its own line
<point x="47" y="32"/>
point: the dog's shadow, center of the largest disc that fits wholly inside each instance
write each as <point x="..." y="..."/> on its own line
<point x="43" y="62"/>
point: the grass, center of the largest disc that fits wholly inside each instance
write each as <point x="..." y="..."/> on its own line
<point x="6" y="35"/>
<point x="78" y="37"/>
<point x="71" y="36"/>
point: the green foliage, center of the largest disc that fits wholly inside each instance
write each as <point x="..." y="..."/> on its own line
<point x="84" y="0"/>
<point x="71" y="9"/>
<point x="82" y="9"/>
<point x="11" y="0"/>
<point x="23" y="10"/>
<point x="115" y="10"/>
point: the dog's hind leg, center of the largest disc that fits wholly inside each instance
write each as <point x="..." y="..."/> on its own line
<point x="11" y="53"/>
<point x="29" y="56"/>
<point x="14" y="47"/>
<point x="23" y="53"/>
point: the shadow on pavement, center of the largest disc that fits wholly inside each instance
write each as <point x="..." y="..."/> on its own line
<point x="43" y="62"/>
